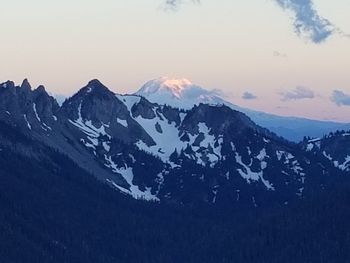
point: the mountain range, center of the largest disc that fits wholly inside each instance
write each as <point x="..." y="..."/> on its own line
<point x="208" y="153"/>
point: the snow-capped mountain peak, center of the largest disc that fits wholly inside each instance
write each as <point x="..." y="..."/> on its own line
<point x="174" y="87"/>
<point x="180" y="93"/>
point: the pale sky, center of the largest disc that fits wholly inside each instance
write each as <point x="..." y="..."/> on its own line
<point x="232" y="45"/>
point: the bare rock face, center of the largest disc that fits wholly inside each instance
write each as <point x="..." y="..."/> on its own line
<point x="101" y="108"/>
<point x="144" y="109"/>
<point x="334" y="147"/>
<point x="34" y="110"/>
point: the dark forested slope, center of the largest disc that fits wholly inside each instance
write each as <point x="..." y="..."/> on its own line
<point x="53" y="211"/>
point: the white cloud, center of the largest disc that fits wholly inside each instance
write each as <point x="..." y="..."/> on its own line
<point x="340" y="98"/>
<point x="298" y="93"/>
<point x="307" y="22"/>
<point x="249" y="96"/>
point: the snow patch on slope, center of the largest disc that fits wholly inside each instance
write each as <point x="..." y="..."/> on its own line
<point x="170" y="141"/>
<point x="128" y="175"/>
<point x="129" y="100"/>
<point x="249" y="175"/>
<point x="345" y="166"/>
<point x="43" y="125"/>
<point x="28" y="124"/>
<point x="166" y="142"/>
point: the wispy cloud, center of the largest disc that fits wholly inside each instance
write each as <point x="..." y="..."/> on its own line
<point x="174" y="4"/>
<point x="171" y="4"/>
<point x="249" y="96"/>
<point x="279" y="54"/>
<point x="340" y="98"/>
<point x="298" y="93"/>
<point x="307" y="22"/>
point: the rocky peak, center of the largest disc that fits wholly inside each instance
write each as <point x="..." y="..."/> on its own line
<point x="93" y="97"/>
<point x="41" y="89"/>
<point x="95" y="108"/>
<point x="221" y="118"/>
<point x="26" y="85"/>
<point x="95" y="103"/>
<point x="46" y="105"/>
<point x="97" y="89"/>
<point x="144" y="109"/>
<point x="7" y="85"/>
<point x="41" y="94"/>
<point x="96" y="83"/>
<point x="31" y="109"/>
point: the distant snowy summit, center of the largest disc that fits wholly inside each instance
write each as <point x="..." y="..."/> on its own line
<point x="180" y="93"/>
<point x="166" y="85"/>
